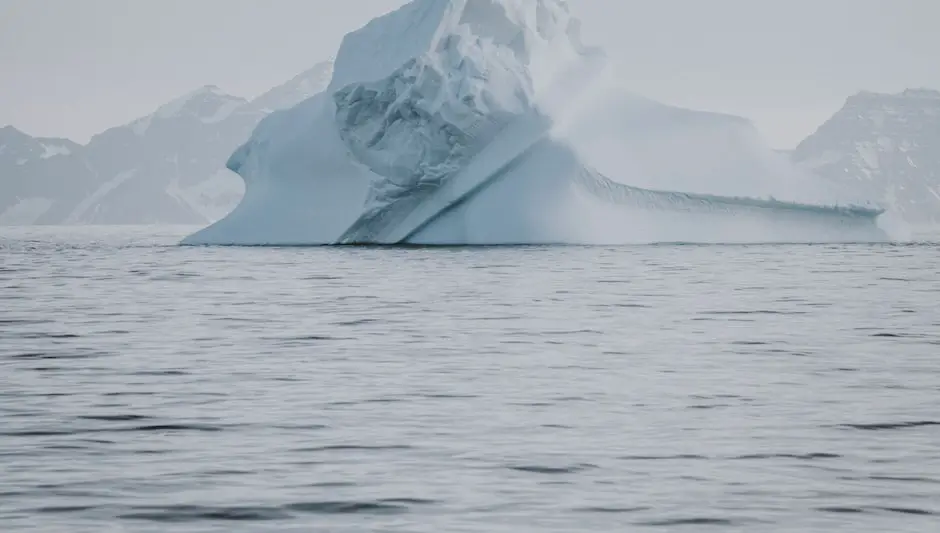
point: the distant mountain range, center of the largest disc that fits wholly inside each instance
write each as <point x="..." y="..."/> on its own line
<point x="169" y="167"/>
<point x="165" y="168"/>
<point x="884" y="148"/>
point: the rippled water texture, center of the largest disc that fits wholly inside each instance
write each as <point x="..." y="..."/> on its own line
<point x="149" y="387"/>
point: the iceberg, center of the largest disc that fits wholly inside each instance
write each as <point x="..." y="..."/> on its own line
<point x="481" y="122"/>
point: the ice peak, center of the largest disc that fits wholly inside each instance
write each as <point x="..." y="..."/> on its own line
<point x="921" y="93"/>
<point x="11" y="132"/>
<point x="311" y="81"/>
<point x="517" y="28"/>
<point x="297" y="89"/>
<point x="317" y="72"/>
<point x="867" y="97"/>
<point x="196" y="99"/>
<point x="209" y="104"/>
<point x="420" y="91"/>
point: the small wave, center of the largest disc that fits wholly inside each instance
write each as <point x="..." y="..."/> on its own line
<point x="804" y="456"/>
<point x="690" y="522"/>
<point x="46" y="356"/>
<point x="161" y="428"/>
<point x="861" y="510"/>
<point x="553" y="470"/>
<point x="225" y="472"/>
<point x="160" y="373"/>
<point x="681" y="457"/>
<point x="445" y="396"/>
<point x="195" y="513"/>
<point x="47" y="369"/>
<point x="54" y="336"/>
<point x="115" y="418"/>
<point x="891" y="425"/>
<point x="22" y="322"/>
<point x="63" y="509"/>
<point x="572" y="332"/>
<point x="205" y="428"/>
<point x="754" y="312"/>
<point x="612" y="510"/>
<point x="305" y="338"/>
<point x="358" y="322"/>
<point x="389" y="506"/>
<point x="352" y="448"/>
<point x="36" y="433"/>
<point x="385" y="400"/>
<point x="905" y="479"/>
<point x="907" y="510"/>
<point x="301" y="427"/>
<point x="840" y="510"/>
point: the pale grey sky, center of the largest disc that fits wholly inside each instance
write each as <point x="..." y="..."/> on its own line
<point x="73" y="68"/>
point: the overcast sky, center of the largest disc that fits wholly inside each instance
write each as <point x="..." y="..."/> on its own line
<point x="75" y="67"/>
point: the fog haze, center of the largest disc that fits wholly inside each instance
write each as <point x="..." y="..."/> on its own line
<point x="75" y="68"/>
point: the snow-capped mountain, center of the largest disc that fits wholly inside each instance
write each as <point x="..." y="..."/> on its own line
<point x="298" y="89"/>
<point x="886" y="149"/>
<point x="23" y="162"/>
<point x="19" y="148"/>
<point x="165" y="168"/>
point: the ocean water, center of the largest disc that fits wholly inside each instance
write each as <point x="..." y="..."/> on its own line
<point x="150" y="387"/>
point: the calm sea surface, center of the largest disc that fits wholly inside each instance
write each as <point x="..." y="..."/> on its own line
<point x="150" y="387"/>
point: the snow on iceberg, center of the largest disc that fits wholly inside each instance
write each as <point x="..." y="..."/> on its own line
<point x="490" y="122"/>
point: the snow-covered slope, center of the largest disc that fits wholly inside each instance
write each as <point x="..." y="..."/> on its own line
<point x="18" y="148"/>
<point x="302" y="86"/>
<point x="488" y="121"/>
<point x="167" y="167"/>
<point x="886" y="148"/>
<point x="24" y="161"/>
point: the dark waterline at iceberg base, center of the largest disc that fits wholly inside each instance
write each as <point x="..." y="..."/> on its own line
<point x="151" y="387"/>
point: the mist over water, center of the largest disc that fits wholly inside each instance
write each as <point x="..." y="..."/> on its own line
<point x="151" y="387"/>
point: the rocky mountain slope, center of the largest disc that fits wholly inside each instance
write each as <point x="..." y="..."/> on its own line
<point x="165" y="168"/>
<point x="884" y="148"/>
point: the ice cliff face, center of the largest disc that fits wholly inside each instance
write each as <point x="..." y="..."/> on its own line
<point x="884" y="148"/>
<point x="476" y="66"/>
<point x="488" y="121"/>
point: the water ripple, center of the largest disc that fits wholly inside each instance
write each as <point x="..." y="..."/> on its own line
<point x="553" y="470"/>
<point x="892" y="425"/>
<point x="150" y="387"/>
